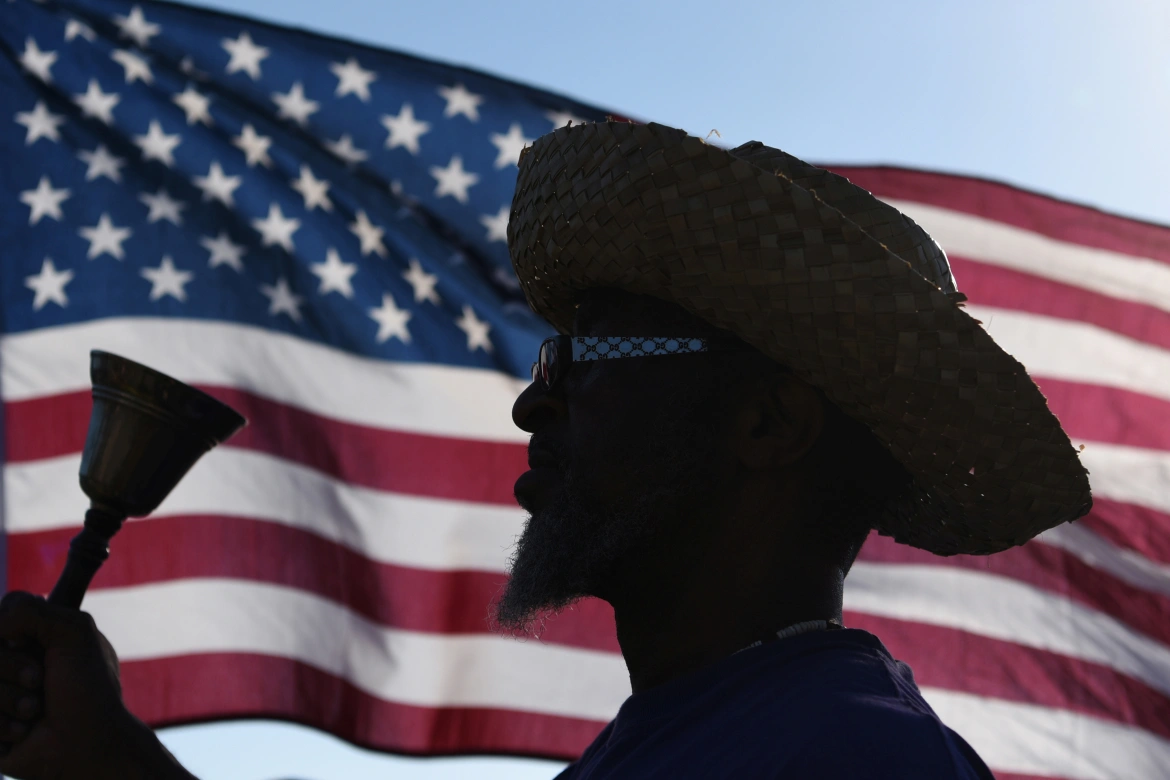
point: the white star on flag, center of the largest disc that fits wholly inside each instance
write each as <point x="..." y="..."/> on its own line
<point x="136" y="68"/>
<point x="561" y="119"/>
<point x="223" y="251"/>
<point x="460" y="101"/>
<point x="216" y="184"/>
<point x="105" y="237"/>
<point x="334" y="274"/>
<point x="315" y="191"/>
<point x="295" y="105"/>
<point x="97" y="104"/>
<point x="194" y="105"/>
<point x="157" y="145"/>
<point x="167" y="280"/>
<point x="352" y="79"/>
<point x="245" y="55"/>
<point x="453" y="180"/>
<point x="254" y="146"/>
<point x="38" y="62"/>
<point x="44" y="201"/>
<point x="422" y="282"/>
<point x="163" y="206"/>
<point x="48" y="285"/>
<point x="343" y="147"/>
<point x="391" y="320"/>
<point x="476" y="330"/>
<point x="404" y="129"/>
<point x="102" y="163"/>
<point x="509" y="146"/>
<point x="282" y="300"/>
<point x="276" y="228"/>
<point x="135" y="26"/>
<point x="369" y="234"/>
<point x="497" y="225"/>
<point x="40" y="123"/>
<point x="74" y="28"/>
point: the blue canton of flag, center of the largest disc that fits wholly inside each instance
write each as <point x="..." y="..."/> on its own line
<point x="167" y="161"/>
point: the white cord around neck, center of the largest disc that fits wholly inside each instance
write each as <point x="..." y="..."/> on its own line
<point x="795" y="629"/>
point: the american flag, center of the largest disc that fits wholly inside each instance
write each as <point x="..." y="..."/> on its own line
<point x="314" y="231"/>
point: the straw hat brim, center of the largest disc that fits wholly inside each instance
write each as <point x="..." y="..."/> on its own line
<point x="651" y="210"/>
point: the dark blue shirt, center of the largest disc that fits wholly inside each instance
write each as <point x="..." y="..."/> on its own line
<point x="829" y="705"/>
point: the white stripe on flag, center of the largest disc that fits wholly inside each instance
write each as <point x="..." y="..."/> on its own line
<point x="458" y="402"/>
<point x="1028" y="739"/>
<point x="386" y="527"/>
<point x="1132" y="475"/>
<point x="465" y="403"/>
<point x="1126" y="277"/>
<point x="426" y="670"/>
<point x="1077" y="352"/>
<point x="1002" y="608"/>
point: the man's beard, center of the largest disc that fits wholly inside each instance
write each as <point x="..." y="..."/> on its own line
<point x="572" y="546"/>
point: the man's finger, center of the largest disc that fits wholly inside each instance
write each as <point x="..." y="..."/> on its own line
<point x="20" y="666"/>
<point x="17" y="703"/>
<point x="13" y="730"/>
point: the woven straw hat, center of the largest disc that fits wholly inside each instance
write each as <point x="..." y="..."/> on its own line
<point x="827" y="280"/>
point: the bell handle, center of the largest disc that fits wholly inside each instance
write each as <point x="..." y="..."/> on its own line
<point x="87" y="552"/>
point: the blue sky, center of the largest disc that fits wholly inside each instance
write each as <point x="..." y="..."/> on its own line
<point x="1067" y="97"/>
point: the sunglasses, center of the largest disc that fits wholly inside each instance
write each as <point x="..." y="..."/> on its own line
<point x="558" y="352"/>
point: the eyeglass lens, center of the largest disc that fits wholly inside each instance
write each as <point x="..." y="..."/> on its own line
<point x="549" y="362"/>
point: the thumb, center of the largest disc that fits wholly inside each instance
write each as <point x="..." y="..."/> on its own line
<point x="24" y="616"/>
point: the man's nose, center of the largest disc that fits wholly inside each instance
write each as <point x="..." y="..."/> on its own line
<point x="535" y="407"/>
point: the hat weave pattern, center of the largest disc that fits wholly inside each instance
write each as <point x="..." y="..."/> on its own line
<point x="871" y="318"/>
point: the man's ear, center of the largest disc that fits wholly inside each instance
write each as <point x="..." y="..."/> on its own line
<point x="778" y="420"/>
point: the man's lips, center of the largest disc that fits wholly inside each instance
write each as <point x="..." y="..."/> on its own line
<point x="536" y="478"/>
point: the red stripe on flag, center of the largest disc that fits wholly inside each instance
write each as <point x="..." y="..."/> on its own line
<point x="159" y="549"/>
<point x="1138" y="528"/>
<point x="393" y="461"/>
<point x="979" y="665"/>
<point x="1096" y="413"/>
<point x="1006" y="288"/>
<point x="220" y="686"/>
<point x="1028" y="210"/>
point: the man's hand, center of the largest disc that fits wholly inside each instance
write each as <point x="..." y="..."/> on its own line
<point x="61" y="710"/>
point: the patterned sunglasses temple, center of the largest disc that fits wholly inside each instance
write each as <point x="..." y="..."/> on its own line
<point x="582" y="348"/>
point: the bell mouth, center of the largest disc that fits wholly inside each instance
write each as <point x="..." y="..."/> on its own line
<point x="146" y="431"/>
<point x="123" y="381"/>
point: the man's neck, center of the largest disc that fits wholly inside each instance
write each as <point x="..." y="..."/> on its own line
<point x="693" y="606"/>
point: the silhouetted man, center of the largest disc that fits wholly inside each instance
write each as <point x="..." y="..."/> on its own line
<point x="758" y="363"/>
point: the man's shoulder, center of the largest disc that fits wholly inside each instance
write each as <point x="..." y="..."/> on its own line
<point x="839" y="707"/>
<point x="860" y="714"/>
<point x="867" y="739"/>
